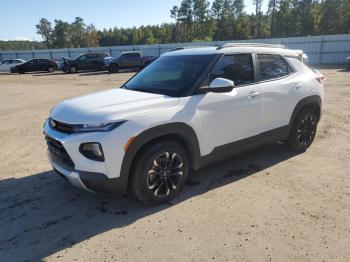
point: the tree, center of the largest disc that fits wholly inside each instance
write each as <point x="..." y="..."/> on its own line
<point x="258" y="19"/>
<point x="60" y="35"/>
<point x="45" y="30"/>
<point x="198" y="20"/>
<point x="271" y="11"/>
<point x="77" y="31"/>
<point x="201" y="13"/>
<point x="331" y="17"/>
<point x="91" y="37"/>
<point x="223" y="11"/>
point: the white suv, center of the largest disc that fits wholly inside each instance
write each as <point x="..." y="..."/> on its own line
<point x="189" y="108"/>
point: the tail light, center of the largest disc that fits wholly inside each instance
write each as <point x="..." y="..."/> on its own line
<point x="321" y="79"/>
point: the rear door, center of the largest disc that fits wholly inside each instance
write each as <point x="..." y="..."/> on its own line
<point x="43" y="64"/>
<point x="135" y="60"/>
<point x="96" y="61"/>
<point x="32" y="65"/>
<point x="278" y="84"/>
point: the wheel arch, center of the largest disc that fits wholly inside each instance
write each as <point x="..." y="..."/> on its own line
<point x="178" y="132"/>
<point x="313" y="102"/>
<point x="114" y="64"/>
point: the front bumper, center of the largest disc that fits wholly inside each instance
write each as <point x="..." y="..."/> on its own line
<point x="99" y="177"/>
<point x="92" y="182"/>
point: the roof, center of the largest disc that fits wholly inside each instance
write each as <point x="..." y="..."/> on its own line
<point x="234" y="48"/>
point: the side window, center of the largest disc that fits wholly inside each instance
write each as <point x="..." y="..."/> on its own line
<point x="238" y="68"/>
<point x="272" y="67"/>
<point x="83" y="57"/>
<point x="136" y="56"/>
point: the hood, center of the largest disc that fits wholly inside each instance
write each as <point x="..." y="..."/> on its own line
<point x="108" y="106"/>
<point x="67" y="60"/>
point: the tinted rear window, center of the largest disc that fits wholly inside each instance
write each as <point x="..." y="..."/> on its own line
<point x="272" y="67"/>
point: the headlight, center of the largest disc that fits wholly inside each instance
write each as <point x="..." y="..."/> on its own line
<point x="97" y="127"/>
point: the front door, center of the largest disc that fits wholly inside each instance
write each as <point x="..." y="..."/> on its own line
<point x="233" y="116"/>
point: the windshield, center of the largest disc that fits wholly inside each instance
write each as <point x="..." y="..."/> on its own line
<point x="170" y="75"/>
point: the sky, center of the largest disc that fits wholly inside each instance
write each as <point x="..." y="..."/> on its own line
<point x="19" y="17"/>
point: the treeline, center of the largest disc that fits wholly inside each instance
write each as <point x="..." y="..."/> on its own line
<point x="198" y="20"/>
<point x="21" y="45"/>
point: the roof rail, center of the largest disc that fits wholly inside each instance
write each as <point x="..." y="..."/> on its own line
<point x="176" y="49"/>
<point x="250" y="45"/>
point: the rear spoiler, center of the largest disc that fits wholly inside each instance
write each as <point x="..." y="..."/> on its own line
<point x="302" y="56"/>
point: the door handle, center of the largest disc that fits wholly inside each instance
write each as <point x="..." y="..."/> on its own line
<point x="253" y="94"/>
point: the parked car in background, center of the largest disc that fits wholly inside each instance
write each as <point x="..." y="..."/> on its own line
<point x="187" y="109"/>
<point x="347" y="63"/>
<point x="91" y="61"/>
<point x="5" y="66"/>
<point x="35" y="65"/>
<point x="128" y="60"/>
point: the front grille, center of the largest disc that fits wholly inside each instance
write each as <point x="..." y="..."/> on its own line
<point x="65" y="128"/>
<point x="58" y="154"/>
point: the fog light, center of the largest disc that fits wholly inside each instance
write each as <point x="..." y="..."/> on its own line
<point x="92" y="151"/>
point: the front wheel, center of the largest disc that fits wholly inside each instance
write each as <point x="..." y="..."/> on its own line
<point x="73" y="69"/>
<point x="303" y="131"/>
<point x="113" y="68"/>
<point x="160" y="172"/>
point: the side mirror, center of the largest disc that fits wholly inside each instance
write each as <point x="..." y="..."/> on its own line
<point x="220" y="85"/>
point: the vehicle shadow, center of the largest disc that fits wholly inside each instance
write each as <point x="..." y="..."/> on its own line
<point x="343" y="70"/>
<point x="42" y="214"/>
<point x="47" y="73"/>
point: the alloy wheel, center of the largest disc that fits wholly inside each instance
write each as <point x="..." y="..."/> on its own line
<point x="306" y="130"/>
<point x="165" y="174"/>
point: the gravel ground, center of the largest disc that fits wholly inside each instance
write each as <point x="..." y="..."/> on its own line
<point x="266" y="205"/>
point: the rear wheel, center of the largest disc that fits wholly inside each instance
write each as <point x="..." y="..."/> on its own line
<point x="21" y="71"/>
<point x="51" y="69"/>
<point x="160" y="173"/>
<point x="113" y="68"/>
<point x="303" y="131"/>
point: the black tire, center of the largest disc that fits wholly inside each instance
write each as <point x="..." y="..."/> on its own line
<point x="73" y="69"/>
<point x="113" y="68"/>
<point x="21" y="71"/>
<point x="303" y="131"/>
<point x="51" y="69"/>
<point x="160" y="172"/>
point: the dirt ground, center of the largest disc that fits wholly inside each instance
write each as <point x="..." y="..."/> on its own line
<point x="266" y="205"/>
